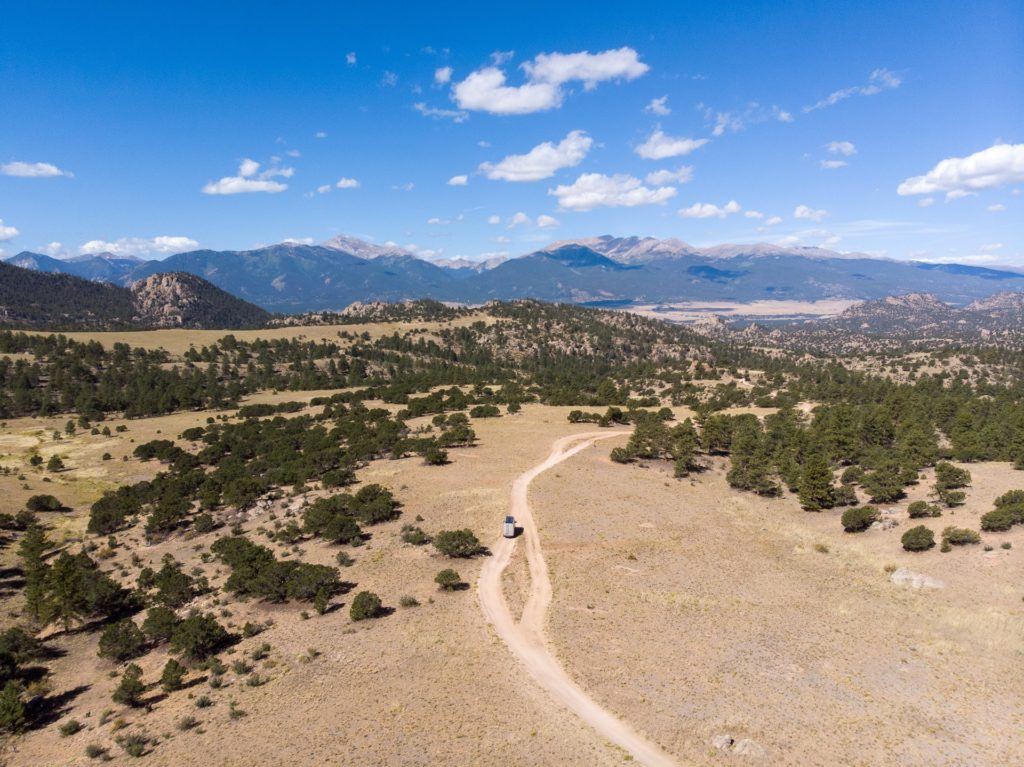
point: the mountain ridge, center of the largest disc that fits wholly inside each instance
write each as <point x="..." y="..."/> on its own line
<point x="296" y="277"/>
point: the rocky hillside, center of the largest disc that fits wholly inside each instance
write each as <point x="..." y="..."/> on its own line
<point x="181" y="300"/>
<point x="55" y="301"/>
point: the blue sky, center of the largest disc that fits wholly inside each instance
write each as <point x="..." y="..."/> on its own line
<point x="140" y="129"/>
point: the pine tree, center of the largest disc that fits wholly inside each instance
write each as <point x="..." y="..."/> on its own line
<point x="816" y="491"/>
<point x="31" y="549"/>
<point x="12" y="710"/>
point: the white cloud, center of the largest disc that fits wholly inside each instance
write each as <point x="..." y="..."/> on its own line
<point x="347" y="183"/>
<point x="734" y="122"/>
<point x="139" y="246"/>
<point x="435" y="221"/>
<point x="323" y="189"/>
<point x="321" y="134"/>
<point x="547" y="222"/>
<point x="297" y="241"/>
<point x="658" y="107"/>
<point x="753" y="214"/>
<point x="519" y="219"/>
<point x="442" y="75"/>
<point x="833" y="164"/>
<point x="494" y="219"/>
<point x="773" y="221"/>
<point x="788" y="240"/>
<point x="681" y="175"/>
<point x="33" y="170"/>
<point x="588" y="68"/>
<point x="389" y="79"/>
<point x="486" y="89"/>
<point x="293" y="153"/>
<point x="831" y="241"/>
<point x="55" y="250"/>
<point x="992" y="247"/>
<point x="808" y="213"/>
<point x="542" y="161"/>
<point x="997" y="208"/>
<point x="926" y="202"/>
<point x="7" y="232"/>
<point x="708" y="210"/>
<point x="250" y="179"/>
<point x="658" y="146"/>
<point x="350" y="58"/>
<point x="408" y="186"/>
<point x="594" y="190"/>
<point x="458" y="180"/>
<point x="959" y="176"/>
<point x="455" y="115"/>
<point x="879" y="80"/>
<point x="845" y="148"/>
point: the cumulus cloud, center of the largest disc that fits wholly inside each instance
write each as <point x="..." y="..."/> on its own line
<point x="323" y="189"/>
<point x="659" y="146"/>
<point x="845" y="148"/>
<point x="658" y="107"/>
<point x="458" y="180"/>
<point x="833" y="164"/>
<point x="542" y="161"/>
<point x="879" y="80"/>
<point x="595" y="190"/>
<point x="455" y="115"/>
<point x="808" y="214"/>
<point x="708" y="210"/>
<point x="21" y="169"/>
<point x="998" y="165"/>
<point x="547" y="222"/>
<point x="442" y="75"/>
<point x="486" y="89"/>
<point x="7" y="232"/>
<point x="997" y="208"/>
<point x="494" y="219"/>
<point x="681" y="175"/>
<point x="773" y="221"/>
<point x="519" y="219"/>
<point x="350" y="58"/>
<point x="250" y="179"/>
<point x="139" y="246"/>
<point x="321" y="134"/>
<point x="753" y="214"/>
<point x="347" y="183"/>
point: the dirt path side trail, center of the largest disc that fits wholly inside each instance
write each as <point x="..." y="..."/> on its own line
<point x="526" y="638"/>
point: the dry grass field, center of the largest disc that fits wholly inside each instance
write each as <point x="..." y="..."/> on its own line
<point x="178" y="341"/>
<point x="687" y="609"/>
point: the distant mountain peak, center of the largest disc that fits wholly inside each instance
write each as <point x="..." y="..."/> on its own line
<point x="363" y="249"/>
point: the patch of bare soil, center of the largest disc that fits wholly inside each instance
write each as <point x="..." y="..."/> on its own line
<point x="695" y="611"/>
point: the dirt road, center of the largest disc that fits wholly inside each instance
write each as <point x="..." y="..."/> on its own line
<point x="526" y="638"/>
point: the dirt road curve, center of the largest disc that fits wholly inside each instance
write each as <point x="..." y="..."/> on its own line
<point x="526" y="638"/>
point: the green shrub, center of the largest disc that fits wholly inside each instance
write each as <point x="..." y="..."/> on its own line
<point x="458" y="543"/>
<point x="129" y="690"/>
<point x="921" y="509"/>
<point x="859" y="519"/>
<point x="43" y="503"/>
<point x="1002" y="518"/>
<point x="414" y="535"/>
<point x="198" y="637"/>
<point x="12" y="710"/>
<point x="122" y="641"/>
<point x="960" y="536"/>
<point x="918" y="538"/>
<point x="159" y="623"/>
<point x="70" y="727"/>
<point x="172" y="676"/>
<point x="448" y="579"/>
<point x="366" y="605"/>
<point x="408" y="601"/>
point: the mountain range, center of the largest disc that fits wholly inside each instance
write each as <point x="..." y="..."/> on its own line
<point x="294" y="277"/>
